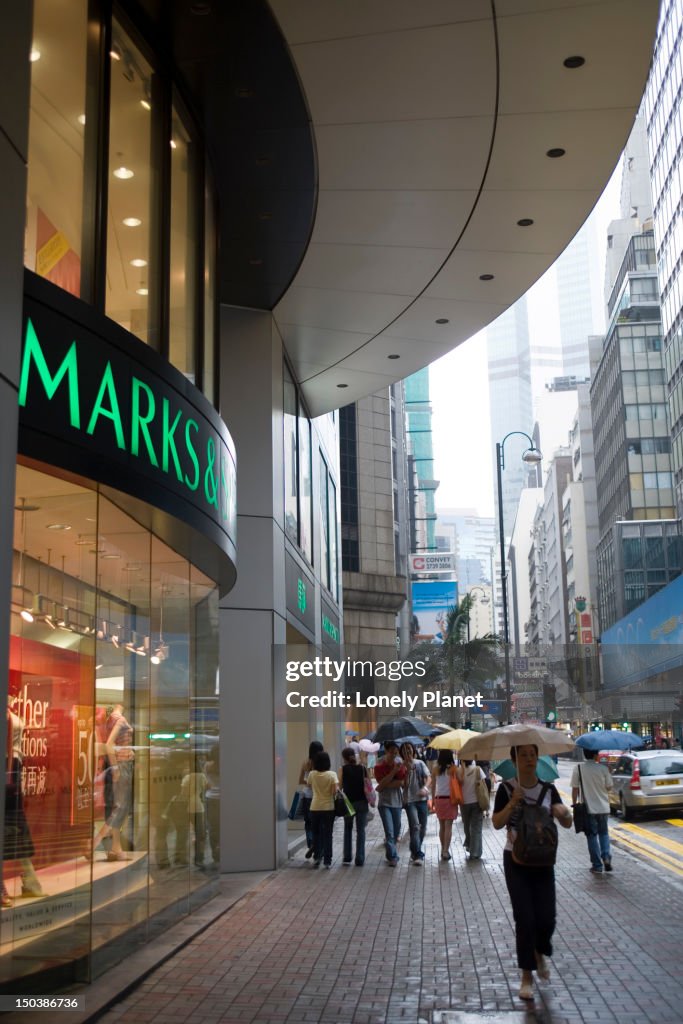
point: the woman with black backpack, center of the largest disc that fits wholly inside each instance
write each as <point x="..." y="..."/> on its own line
<point x="529" y="809"/>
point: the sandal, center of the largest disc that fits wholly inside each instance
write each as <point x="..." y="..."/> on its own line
<point x="119" y="855"/>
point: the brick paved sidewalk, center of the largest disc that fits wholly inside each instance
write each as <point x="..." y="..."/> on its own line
<point x="376" y="944"/>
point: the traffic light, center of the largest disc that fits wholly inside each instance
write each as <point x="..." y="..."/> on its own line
<point x="549" y="699"/>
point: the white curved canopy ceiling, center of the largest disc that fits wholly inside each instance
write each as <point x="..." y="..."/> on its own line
<point x="432" y="122"/>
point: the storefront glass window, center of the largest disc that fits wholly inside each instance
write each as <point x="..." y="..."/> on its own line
<point x="113" y="686"/>
<point x="132" y="280"/>
<point x="332" y="520"/>
<point x="324" y="526"/>
<point x="184" y="240"/>
<point x="56" y="143"/>
<point x="291" y="475"/>
<point x="305" y="489"/>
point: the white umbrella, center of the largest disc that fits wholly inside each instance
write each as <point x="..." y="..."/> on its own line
<point x="495" y="744"/>
<point x="369" y="747"/>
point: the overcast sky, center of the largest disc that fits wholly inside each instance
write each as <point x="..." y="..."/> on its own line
<point x="463" y="448"/>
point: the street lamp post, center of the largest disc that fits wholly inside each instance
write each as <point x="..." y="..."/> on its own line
<point x="532" y="456"/>
<point x="471" y="591"/>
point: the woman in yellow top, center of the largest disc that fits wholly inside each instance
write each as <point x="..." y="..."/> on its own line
<point x="324" y="784"/>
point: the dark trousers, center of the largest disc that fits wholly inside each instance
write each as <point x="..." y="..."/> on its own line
<point x="323" y="824"/>
<point x="532" y="895"/>
<point x="308" y="824"/>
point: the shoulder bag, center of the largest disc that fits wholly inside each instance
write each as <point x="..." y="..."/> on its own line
<point x="455" y="788"/>
<point x="580" y="810"/>
<point x="482" y="791"/>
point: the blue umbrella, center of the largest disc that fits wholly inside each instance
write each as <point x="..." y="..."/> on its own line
<point x="609" y="739"/>
<point x="546" y="769"/>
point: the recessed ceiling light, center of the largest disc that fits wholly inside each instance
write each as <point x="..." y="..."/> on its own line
<point x="96" y="551"/>
<point x="574" y="62"/>
<point x="132" y="222"/>
<point x="486" y="277"/>
<point x="57" y="526"/>
<point x="442" y="320"/>
<point x="525" y="222"/>
<point x="84" y="541"/>
<point x="394" y="355"/>
<point x="138" y="263"/>
<point x="124" y="173"/>
<point x="142" y="291"/>
<point x="34" y="55"/>
<point x="115" y="53"/>
<point x="174" y="144"/>
<point x="342" y="385"/>
<point x="26" y="508"/>
<point x="81" y="118"/>
<point x="146" y="104"/>
<point x="554" y="153"/>
<point x="109" y="555"/>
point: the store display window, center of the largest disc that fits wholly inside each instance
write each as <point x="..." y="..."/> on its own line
<point x="111" y="813"/>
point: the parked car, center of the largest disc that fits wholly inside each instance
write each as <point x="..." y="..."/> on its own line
<point x="647" y="780"/>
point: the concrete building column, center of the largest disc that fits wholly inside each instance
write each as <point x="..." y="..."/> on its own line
<point x="15" y="45"/>
<point x="253" y="615"/>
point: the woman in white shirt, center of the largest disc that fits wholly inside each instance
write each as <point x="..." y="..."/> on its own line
<point x="324" y="784"/>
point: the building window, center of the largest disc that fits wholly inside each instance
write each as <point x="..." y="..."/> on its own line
<point x="133" y="271"/>
<point x="184" y="247"/>
<point x="328" y="530"/>
<point x="119" y="212"/>
<point x="291" y="461"/>
<point x="56" y="147"/>
<point x="348" y="470"/>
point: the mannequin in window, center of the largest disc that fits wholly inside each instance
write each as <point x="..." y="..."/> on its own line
<point x="121" y="757"/>
<point x="18" y="843"/>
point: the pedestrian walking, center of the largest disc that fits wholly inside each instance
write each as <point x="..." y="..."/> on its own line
<point x="468" y="774"/>
<point x="324" y="784"/>
<point x="390" y="774"/>
<point x="446" y="810"/>
<point x="591" y="783"/>
<point x="415" y="795"/>
<point x="314" y="747"/>
<point x="353" y="776"/>
<point x="531" y="887"/>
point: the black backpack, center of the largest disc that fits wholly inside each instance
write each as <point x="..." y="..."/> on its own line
<point x="536" y="841"/>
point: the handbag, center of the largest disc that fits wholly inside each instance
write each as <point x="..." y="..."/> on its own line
<point x="343" y="808"/>
<point x="482" y="791"/>
<point x="370" y="794"/>
<point x="580" y="810"/>
<point x="455" y="788"/>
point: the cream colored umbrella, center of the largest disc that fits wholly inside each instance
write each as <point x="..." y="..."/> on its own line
<point x="495" y="744"/>
<point x="453" y="740"/>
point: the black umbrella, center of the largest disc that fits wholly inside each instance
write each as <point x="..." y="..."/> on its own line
<point x="398" y="728"/>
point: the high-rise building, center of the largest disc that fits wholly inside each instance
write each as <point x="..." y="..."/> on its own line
<point x="509" y="373"/>
<point x="578" y="299"/>
<point x="419" y="415"/>
<point x="664" y="116"/>
<point x="470" y="537"/>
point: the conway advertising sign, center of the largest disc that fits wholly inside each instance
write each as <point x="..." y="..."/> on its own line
<point x="97" y="402"/>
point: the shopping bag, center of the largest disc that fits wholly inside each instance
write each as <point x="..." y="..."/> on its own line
<point x="296" y="810"/>
<point x="456" y="790"/>
<point x="370" y="794"/>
